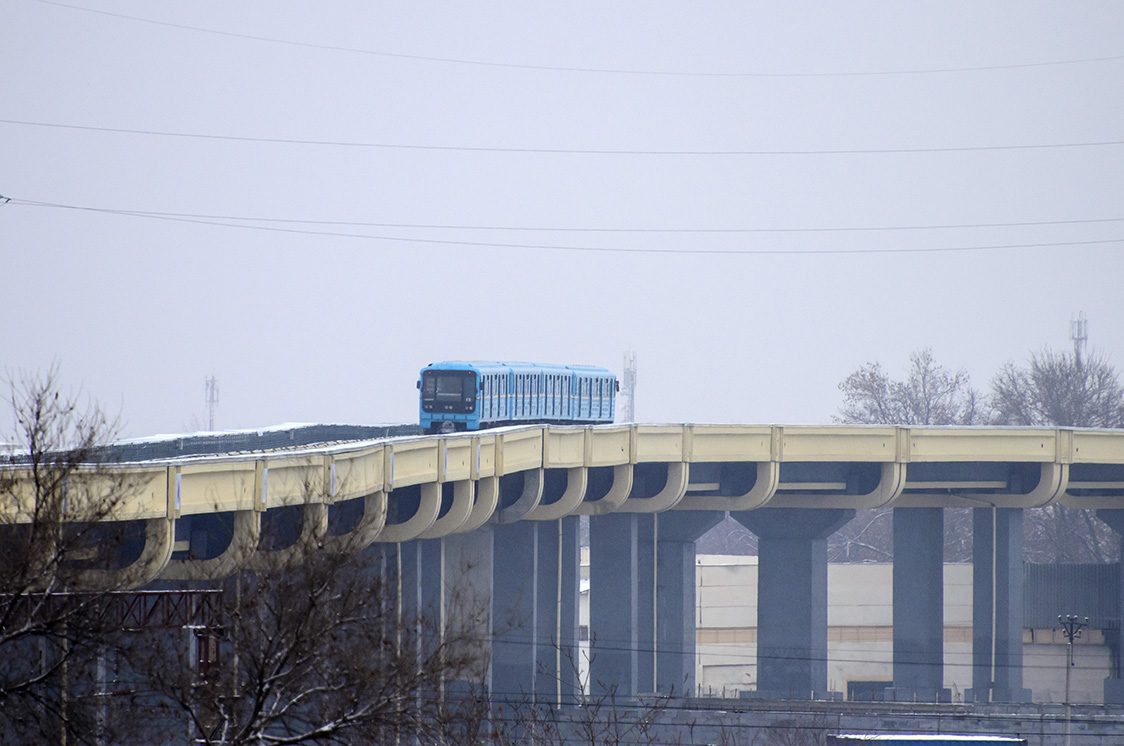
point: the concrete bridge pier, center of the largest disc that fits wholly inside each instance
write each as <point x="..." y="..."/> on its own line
<point x="918" y="614"/>
<point x="535" y="611"/>
<point x="666" y="597"/>
<point x="468" y="594"/>
<point x="792" y="597"/>
<point x="614" y="584"/>
<point x="414" y="575"/>
<point x="997" y="606"/>
<point x="1114" y="684"/>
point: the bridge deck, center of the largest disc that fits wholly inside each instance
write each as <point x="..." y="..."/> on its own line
<point x="650" y="468"/>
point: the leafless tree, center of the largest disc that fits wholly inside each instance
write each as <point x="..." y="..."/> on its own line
<point x="57" y="492"/>
<point x="600" y="716"/>
<point x="1054" y="389"/>
<point x="727" y="537"/>
<point x="1062" y="390"/>
<point x="1059" y="389"/>
<point x="869" y="537"/>
<point x="314" y="653"/>
<point x="929" y="395"/>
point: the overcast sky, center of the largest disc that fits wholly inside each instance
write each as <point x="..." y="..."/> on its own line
<point x="311" y="201"/>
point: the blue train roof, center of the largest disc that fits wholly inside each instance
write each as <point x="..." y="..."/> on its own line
<point x="491" y="366"/>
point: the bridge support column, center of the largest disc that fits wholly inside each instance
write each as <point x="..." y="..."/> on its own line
<point x="556" y="635"/>
<point x="919" y="606"/>
<point x="792" y="598"/>
<point x="666" y="598"/>
<point x="415" y="571"/>
<point x="613" y="604"/>
<point x="1114" y="684"/>
<point x="468" y="595"/>
<point x="997" y="604"/>
<point x="534" y="619"/>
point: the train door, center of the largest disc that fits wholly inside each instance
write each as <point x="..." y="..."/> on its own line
<point x="565" y="414"/>
<point x="486" y="398"/>
<point x="553" y="397"/>
<point x="504" y="383"/>
<point x="536" y="408"/>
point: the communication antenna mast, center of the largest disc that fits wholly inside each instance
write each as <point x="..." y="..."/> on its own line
<point x="212" y="401"/>
<point x="1079" y="333"/>
<point x="628" y="388"/>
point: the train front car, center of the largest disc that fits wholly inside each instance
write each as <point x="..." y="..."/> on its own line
<point x="448" y="398"/>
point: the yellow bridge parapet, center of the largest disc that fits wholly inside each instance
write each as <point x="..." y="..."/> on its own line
<point x="708" y="467"/>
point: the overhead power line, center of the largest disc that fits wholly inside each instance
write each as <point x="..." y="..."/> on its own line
<point x="593" y="249"/>
<point x="560" y="151"/>
<point x="570" y="229"/>
<point x="580" y="69"/>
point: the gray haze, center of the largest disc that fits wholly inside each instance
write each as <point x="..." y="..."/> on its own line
<point x="461" y="117"/>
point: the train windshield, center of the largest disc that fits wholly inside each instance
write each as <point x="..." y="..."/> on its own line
<point x="449" y="390"/>
<point x="449" y="387"/>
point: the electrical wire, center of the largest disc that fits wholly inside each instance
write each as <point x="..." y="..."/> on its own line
<point x="623" y="249"/>
<point x="566" y="229"/>
<point x="564" y="151"/>
<point x="600" y="249"/>
<point x="595" y="70"/>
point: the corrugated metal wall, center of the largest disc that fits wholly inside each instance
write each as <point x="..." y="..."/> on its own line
<point x="1091" y="590"/>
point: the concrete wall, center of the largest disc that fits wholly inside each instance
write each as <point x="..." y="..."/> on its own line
<point x="860" y="633"/>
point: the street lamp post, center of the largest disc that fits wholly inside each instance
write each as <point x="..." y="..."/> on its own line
<point x="1071" y="628"/>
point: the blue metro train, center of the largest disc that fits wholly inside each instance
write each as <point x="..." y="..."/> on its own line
<point x="472" y="395"/>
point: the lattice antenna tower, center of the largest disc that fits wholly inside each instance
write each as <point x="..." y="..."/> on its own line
<point x="1079" y="333"/>
<point x="212" y="401"/>
<point x="628" y="387"/>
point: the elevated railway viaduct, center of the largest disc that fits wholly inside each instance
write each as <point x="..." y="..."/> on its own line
<point x="498" y="511"/>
